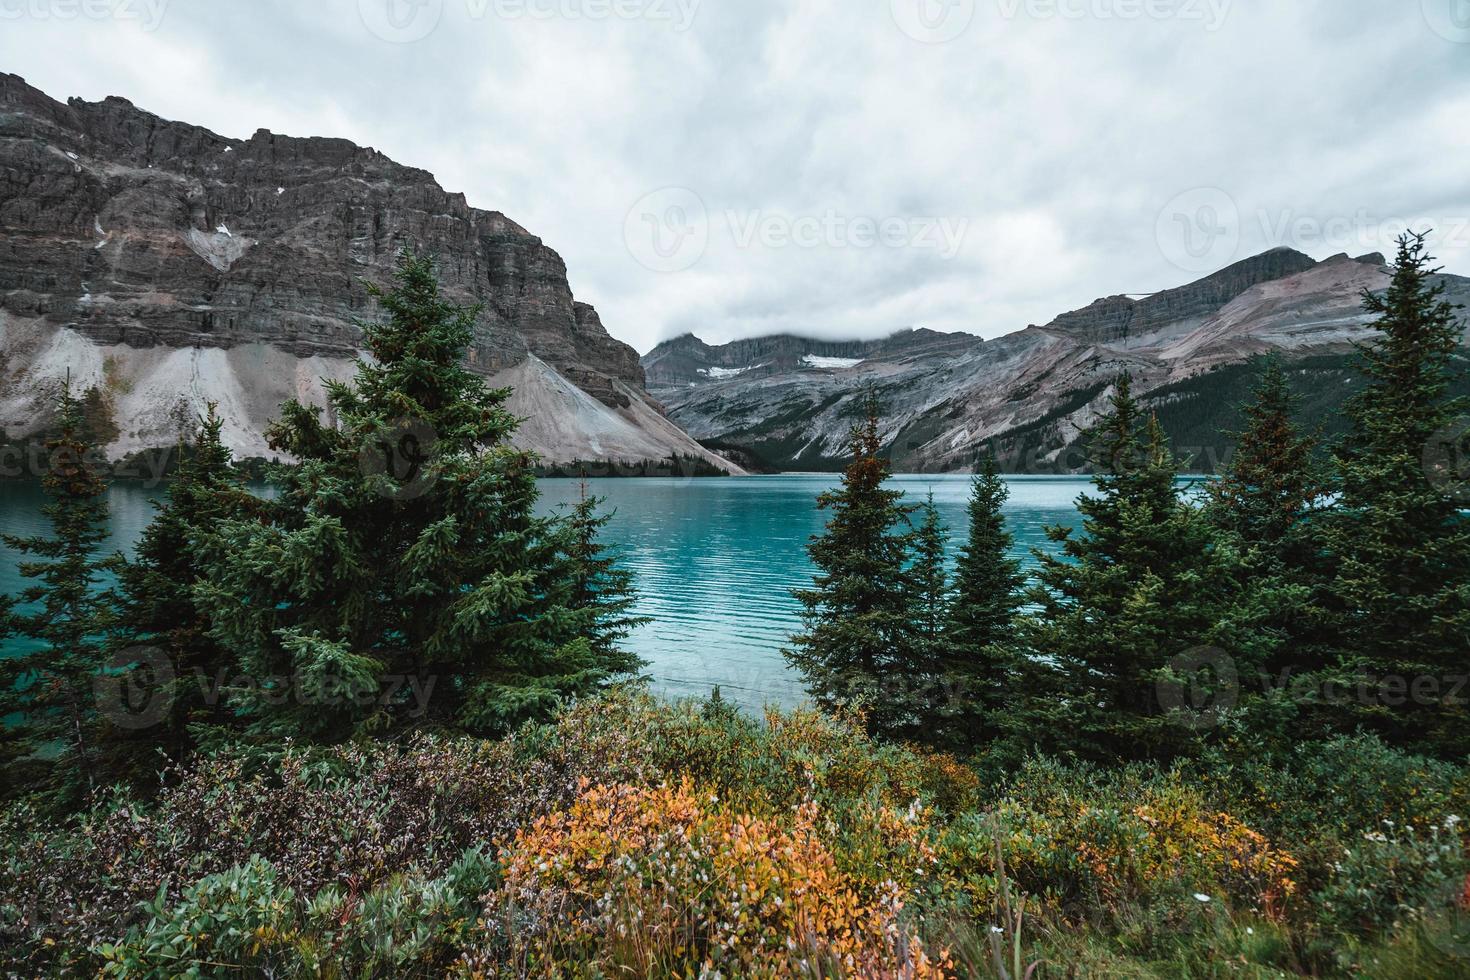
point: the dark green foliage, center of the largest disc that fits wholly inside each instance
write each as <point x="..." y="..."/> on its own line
<point x="858" y="624"/>
<point x="158" y="608"/>
<point x="54" y="737"/>
<point x="598" y="584"/>
<point x="1271" y="482"/>
<point x="1399" y="595"/>
<point x="923" y="667"/>
<point x="1132" y="607"/>
<point x="1266" y="503"/>
<point x="987" y="593"/>
<point x="987" y="579"/>
<point x="402" y="578"/>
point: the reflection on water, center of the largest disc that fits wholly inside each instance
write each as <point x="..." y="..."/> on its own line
<point x="715" y="560"/>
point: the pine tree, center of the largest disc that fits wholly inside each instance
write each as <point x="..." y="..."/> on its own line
<point x="1266" y="501"/>
<point x="1271" y="482"/>
<point x="597" y="583"/>
<point x="858" y="628"/>
<point x="917" y="689"/>
<point x="928" y="581"/>
<point x="49" y="690"/>
<point x="1128" y="607"/>
<point x="158" y="607"/>
<point x="987" y="594"/>
<point x="1399" y="597"/>
<point x="402" y="577"/>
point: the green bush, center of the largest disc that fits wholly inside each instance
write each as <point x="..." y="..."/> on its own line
<point x="389" y="859"/>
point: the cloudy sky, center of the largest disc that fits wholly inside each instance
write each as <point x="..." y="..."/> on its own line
<point x="840" y="167"/>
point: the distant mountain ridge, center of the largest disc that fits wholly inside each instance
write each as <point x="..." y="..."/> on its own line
<point x="1032" y="393"/>
<point x="169" y="266"/>
<point x="688" y="360"/>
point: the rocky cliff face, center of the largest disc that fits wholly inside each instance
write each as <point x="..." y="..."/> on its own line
<point x="1032" y="393"/>
<point x="171" y="266"/>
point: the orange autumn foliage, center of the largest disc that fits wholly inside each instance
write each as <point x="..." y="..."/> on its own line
<point x="665" y="880"/>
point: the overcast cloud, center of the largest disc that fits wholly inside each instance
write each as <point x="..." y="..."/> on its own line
<point x="839" y="168"/>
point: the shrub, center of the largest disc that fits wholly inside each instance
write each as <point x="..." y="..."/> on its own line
<point x="721" y="837"/>
<point x="668" y="881"/>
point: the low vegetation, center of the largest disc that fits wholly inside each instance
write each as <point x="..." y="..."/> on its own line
<point x="632" y="836"/>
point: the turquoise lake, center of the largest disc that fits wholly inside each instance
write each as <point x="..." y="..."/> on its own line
<point x="715" y="560"/>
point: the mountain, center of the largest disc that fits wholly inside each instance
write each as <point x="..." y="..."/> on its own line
<point x="169" y="266"/>
<point x="687" y="360"/>
<point x="1032" y="393"/>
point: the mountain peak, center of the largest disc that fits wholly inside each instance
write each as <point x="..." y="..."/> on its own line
<point x="1113" y="318"/>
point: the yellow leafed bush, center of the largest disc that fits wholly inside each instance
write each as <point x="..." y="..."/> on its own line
<point x="643" y="881"/>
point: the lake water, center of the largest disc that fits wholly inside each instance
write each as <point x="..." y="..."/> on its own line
<point x="715" y="560"/>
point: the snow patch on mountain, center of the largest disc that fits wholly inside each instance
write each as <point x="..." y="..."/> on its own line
<point x="831" y="363"/>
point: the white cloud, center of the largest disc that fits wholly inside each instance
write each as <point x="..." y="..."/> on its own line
<point x="1053" y="139"/>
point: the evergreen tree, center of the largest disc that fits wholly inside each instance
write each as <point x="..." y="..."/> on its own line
<point x="158" y="607"/>
<point x="49" y="688"/>
<point x="929" y="583"/>
<point x="1271" y="482"/>
<point x="981" y="628"/>
<point x="1130" y="608"/>
<point x="598" y="584"/>
<point x="1266" y="501"/>
<point x="918" y="684"/>
<point x="1399" y="596"/>
<point x="403" y="577"/>
<point x="858" y="628"/>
